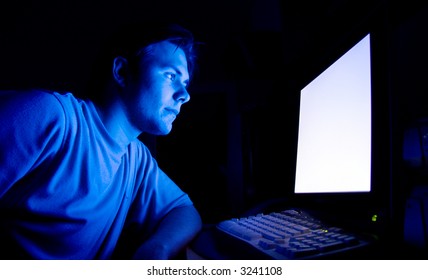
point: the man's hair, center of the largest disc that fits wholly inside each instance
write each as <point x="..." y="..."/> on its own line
<point x="130" y="42"/>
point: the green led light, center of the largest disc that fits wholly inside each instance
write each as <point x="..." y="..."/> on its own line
<point x="374" y="218"/>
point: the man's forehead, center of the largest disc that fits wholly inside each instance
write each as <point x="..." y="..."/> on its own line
<point x="167" y="51"/>
<point x="166" y="55"/>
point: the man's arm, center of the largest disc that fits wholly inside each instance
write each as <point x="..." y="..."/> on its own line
<point x="175" y="231"/>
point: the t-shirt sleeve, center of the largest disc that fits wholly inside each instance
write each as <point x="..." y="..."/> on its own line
<point x="31" y="130"/>
<point x="156" y="196"/>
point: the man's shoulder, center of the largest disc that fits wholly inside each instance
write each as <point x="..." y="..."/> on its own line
<point x="34" y="97"/>
<point x="139" y="149"/>
<point x="26" y="102"/>
<point x="40" y="105"/>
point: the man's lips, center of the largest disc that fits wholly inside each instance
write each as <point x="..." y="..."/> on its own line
<point x="173" y="111"/>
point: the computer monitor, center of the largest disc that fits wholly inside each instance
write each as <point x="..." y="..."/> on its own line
<point x="334" y="132"/>
<point x="342" y="153"/>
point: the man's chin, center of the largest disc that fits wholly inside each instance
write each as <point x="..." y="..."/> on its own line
<point x="160" y="128"/>
<point x="165" y="130"/>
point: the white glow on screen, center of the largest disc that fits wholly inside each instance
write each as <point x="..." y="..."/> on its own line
<point x="334" y="140"/>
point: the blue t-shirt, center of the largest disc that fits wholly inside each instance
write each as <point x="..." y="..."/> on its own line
<point x="67" y="189"/>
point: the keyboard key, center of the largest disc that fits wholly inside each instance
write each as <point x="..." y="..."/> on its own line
<point x="267" y="245"/>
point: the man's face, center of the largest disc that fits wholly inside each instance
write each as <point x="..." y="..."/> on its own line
<point x="153" y="97"/>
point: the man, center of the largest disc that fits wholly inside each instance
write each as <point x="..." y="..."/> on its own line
<point x="75" y="181"/>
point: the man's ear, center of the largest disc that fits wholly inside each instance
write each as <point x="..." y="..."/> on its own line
<point x="120" y="70"/>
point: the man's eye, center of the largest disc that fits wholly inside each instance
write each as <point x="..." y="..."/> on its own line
<point x="170" y="76"/>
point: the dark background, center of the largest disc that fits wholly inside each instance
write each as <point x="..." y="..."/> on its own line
<point x="233" y="146"/>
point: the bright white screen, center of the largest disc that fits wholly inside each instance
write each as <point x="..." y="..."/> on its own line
<point x="334" y="140"/>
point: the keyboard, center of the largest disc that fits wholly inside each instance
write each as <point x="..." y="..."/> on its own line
<point x="289" y="234"/>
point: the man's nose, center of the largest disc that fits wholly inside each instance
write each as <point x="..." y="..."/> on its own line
<point x="182" y="95"/>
